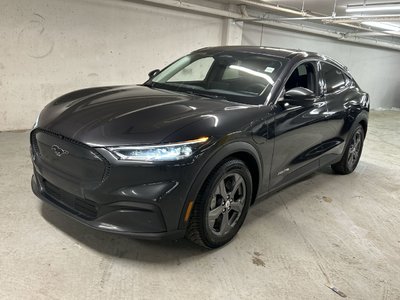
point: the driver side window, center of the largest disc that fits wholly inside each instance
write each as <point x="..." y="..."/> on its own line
<point x="302" y="76"/>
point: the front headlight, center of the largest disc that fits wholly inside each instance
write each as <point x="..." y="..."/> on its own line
<point x="167" y="152"/>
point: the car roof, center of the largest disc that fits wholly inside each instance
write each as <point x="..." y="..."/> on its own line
<point x="273" y="51"/>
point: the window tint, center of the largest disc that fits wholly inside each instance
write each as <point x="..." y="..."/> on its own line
<point x="302" y="70"/>
<point x="239" y="77"/>
<point x="196" y="71"/>
<point x="251" y="68"/>
<point x="230" y="73"/>
<point x="334" y="78"/>
<point x="302" y="76"/>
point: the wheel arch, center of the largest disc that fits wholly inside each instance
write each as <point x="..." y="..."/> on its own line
<point x="360" y="119"/>
<point x="239" y="150"/>
<point x="253" y="167"/>
<point x="364" y="123"/>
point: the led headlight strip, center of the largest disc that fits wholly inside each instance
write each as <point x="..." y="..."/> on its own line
<point x="166" y="152"/>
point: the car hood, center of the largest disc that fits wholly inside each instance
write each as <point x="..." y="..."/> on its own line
<point x="135" y="115"/>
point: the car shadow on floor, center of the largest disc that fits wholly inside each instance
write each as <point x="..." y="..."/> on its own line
<point x="164" y="251"/>
<point x="289" y="194"/>
<point x="121" y="246"/>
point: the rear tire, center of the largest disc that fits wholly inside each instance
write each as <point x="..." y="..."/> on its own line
<point x="221" y="206"/>
<point x="352" y="154"/>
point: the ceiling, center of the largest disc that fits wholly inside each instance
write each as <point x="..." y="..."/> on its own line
<point x="328" y="15"/>
<point x="320" y="6"/>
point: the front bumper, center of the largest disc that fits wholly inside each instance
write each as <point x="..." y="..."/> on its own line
<point x="125" y="220"/>
<point x="144" y="201"/>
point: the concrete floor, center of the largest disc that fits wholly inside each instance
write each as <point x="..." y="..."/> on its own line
<point x="326" y="230"/>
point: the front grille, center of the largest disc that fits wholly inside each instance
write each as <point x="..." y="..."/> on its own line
<point x="82" y="207"/>
<point x="79" y="161"/>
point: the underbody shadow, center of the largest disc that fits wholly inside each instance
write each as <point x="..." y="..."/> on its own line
<point x="287" y="194"/>
<point x="121" y="246"/>
<point x="164" y="251"/>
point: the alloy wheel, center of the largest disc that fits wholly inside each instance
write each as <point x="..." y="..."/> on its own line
<point x="227" y="203"/>
<point x="355" y="149"/>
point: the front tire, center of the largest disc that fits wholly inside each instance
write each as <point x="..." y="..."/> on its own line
<point x="221" y="206"/>
<point x="352" y="154"/>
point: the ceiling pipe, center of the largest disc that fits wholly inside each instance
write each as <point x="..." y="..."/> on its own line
<point x="305" y="15"/>
<point x="347" y="19"/>
<point x="275" y="8"/>
<point x="369" y="42"/>
<point x="357" y="19"/>
<point x="333" y="19"/>
<point x="195" y="7"/>
<point x="362" y="34"/>
<point x="277" y="24"/>
<point x="372" y="7"/>
<point x="300" y="28"/>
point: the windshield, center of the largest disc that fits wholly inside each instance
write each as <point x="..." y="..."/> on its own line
<point x="240" y="77"/>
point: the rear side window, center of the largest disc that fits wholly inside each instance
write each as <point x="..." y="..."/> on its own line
<point x="334" y="78"/>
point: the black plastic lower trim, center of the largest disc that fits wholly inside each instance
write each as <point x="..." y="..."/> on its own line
<point x="119" y="221"/>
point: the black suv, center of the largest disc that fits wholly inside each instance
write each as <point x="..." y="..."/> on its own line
<point x="187" y="152"/>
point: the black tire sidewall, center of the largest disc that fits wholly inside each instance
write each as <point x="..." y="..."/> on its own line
<point x="208" y="237"/>
<point x="360" y="129"/>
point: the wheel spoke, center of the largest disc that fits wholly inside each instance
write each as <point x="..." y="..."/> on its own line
<point x="238" y="182"/>
<point x="237" y="205"/>
<point x="213" y="203"/>
<point x="224" y="223"/>
<point x="214" y="213"/>
<point x="222" y="189"/>
<point x="350" y="158"/>
<point x="357" y="142"/>
<point x="355" y="155"/>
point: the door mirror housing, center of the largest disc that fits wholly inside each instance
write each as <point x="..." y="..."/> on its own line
<point x="299" y="93"/>
<point x="299" y="96"/>
<point x="153" y="73"/>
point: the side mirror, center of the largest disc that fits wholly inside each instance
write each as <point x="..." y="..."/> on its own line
<point x="299" y="93"/>
<point x="299" y="96"/>
<point x="153" y="73"/>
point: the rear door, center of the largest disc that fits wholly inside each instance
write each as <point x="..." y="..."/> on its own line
<point x="339" y="93"/>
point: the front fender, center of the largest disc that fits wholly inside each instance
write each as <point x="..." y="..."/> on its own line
<point x="212" y="162"/>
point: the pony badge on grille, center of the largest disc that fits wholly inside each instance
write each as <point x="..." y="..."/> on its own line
<point x="59" y="151"/>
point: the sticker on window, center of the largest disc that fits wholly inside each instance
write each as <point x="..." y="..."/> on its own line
<point x="269" y="70"/>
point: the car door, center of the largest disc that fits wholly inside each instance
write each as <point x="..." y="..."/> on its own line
<point x="339" y="93"/>
<point x="299" y="129"/>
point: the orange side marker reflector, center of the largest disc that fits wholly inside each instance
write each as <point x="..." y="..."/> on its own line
<point x="188" y="211"/>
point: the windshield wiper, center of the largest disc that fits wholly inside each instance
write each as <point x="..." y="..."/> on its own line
<point x="198" y="93"/>
<point x="187" y="91"/>
<point x="150" y="85"/>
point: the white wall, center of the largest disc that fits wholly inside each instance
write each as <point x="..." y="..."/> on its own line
<point x="50" y="47"/>
<point x="377" y="71"/>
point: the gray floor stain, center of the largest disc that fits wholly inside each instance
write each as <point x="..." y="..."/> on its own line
<point x="327" y="199"/>
<point x="256" y="259"/>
